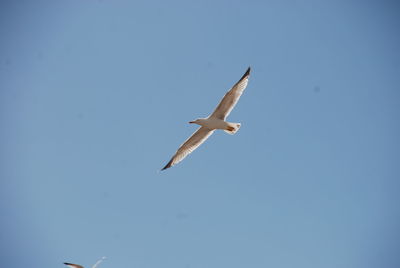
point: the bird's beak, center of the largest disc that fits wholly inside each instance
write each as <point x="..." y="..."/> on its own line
<point x="191" y="122"/>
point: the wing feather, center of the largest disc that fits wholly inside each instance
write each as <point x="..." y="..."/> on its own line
<point x="191" y="144"/>
<point x="230" y="99"/>
<point x="73" y="265"/>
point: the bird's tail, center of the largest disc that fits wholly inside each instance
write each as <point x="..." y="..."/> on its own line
<point x="232" y="128"/>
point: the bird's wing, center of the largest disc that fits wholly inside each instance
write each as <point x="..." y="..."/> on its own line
<point x="98" y="262"/>
<point x="73" y="265"/>
<point x="189" y="146"/>
<point x="231" y="98"/>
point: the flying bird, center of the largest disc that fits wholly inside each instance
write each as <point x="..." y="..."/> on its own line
<point x="73" y="265"/>
<point x="214" y="121"/>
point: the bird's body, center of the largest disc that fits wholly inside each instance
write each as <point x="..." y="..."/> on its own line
<point x="213" y="122"/>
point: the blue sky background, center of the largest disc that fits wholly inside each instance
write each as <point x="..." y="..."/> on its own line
<point x="95" y="97"/>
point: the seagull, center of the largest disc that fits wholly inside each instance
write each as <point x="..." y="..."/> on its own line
<point x="214" y="121"/>
<point x="72" y="265"/>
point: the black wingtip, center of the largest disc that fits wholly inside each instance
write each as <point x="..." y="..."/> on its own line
<point x="247" y="73"/>
<point x="167" y="165"/>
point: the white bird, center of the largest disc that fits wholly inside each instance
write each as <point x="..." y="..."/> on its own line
<point x="72" y="265"/>
<point x="214" y="121"/>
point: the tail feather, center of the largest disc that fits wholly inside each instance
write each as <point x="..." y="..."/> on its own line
<point x="232" y="128"/>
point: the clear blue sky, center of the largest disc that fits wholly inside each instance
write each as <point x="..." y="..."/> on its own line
<point x="95" y="97"/>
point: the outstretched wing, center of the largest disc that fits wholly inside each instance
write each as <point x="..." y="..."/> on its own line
<point x="73" y="265"/>
<point x="230" y="99"/>
<point x="189" y="145"/>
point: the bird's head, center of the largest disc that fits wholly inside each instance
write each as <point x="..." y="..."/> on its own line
<point x="198" y="121"/>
